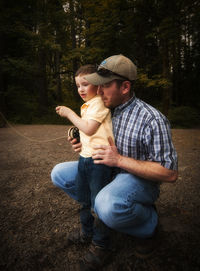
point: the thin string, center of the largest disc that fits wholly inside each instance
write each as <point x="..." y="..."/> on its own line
<point x="28" y="138"/>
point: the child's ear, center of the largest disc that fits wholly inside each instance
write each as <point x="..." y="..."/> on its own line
<point x="126" y="85"/>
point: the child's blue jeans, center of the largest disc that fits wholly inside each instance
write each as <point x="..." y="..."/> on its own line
<point x="125" y="204"/>
<point x="90" y="179"/>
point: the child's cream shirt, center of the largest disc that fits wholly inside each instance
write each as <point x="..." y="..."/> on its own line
<point x="94" y="109"/>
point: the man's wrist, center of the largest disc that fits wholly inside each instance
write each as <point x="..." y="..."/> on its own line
<point x="119" y="161"/>
<point x="126" y="163"/>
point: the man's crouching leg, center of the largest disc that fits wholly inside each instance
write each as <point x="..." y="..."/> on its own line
<point x="118" y="207"/>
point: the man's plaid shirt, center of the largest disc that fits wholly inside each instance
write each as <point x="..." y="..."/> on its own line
<point x="143" y="133"/>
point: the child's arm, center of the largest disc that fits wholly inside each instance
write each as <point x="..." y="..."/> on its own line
<point x="88" y="127"/>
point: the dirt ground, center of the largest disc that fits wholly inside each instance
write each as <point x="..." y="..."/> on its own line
<point x="35" y="216"/>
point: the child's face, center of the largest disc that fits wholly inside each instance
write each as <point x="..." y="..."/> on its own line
<point x="85" y="89"/>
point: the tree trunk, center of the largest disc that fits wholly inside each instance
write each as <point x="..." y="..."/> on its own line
<point x="42" y="80"/>
<point x="176" y="95"/>
<point x="3" y="90"/>
<point x="166" y="97"/>
<point x="73" y="39"/>
<point x="73" y="33"/>
<point x="58" y="79"/>
<point x="3" y="85"/>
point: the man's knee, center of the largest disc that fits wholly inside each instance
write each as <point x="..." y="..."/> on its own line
<point x="104" y="208"/>
<point x="115" y="212"/>
<point x="55" y="174"/>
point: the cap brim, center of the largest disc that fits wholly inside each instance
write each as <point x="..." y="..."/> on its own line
<point x="96" y="79"/>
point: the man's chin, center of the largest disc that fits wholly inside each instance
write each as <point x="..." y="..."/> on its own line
<point x="106" y="104"/>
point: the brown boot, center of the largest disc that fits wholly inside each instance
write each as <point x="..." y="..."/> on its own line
<point x="95" y="259"/>
<point x="77" y="237"/>
<point x="146" y="247"/>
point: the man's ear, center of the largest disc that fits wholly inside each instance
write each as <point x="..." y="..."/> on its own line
<point x="126" y="86"/>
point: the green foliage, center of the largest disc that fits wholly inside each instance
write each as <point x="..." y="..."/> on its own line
<point x="157" y="81"/>
<point x="43" y="43"/>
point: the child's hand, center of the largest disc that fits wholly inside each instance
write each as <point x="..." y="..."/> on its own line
<point x="76" y="146"/>
<point x="63" y="111"/>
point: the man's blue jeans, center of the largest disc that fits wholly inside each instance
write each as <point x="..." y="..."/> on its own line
<point x="91" y="178"/>
<point x="125" y="204"/>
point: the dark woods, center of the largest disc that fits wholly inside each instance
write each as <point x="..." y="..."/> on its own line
<point x="42" y="43"/>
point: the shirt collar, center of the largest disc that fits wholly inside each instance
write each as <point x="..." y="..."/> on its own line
<point x="122" y="107"/>
<point x="86" y="104"/>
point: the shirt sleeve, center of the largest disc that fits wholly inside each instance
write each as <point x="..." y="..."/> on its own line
<point x="97" y="111"/>
<point x="159" y="145"/>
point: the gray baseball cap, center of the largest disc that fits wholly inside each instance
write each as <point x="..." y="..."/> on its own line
<point x="113" y="67"/>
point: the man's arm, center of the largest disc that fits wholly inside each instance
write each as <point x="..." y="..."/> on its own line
<point x="88" y="127"/>
<point x="145" y="169"/>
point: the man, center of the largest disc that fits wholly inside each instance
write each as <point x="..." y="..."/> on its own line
<point x="143" y="154"/>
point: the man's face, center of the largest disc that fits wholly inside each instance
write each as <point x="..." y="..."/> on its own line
<point x="110" y="94"/>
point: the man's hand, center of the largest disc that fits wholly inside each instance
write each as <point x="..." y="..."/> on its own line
<point x="76" y="146"/>
<point x="107" y="155"/>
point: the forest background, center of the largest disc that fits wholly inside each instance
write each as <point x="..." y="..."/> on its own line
<point x="43" y="42"/>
